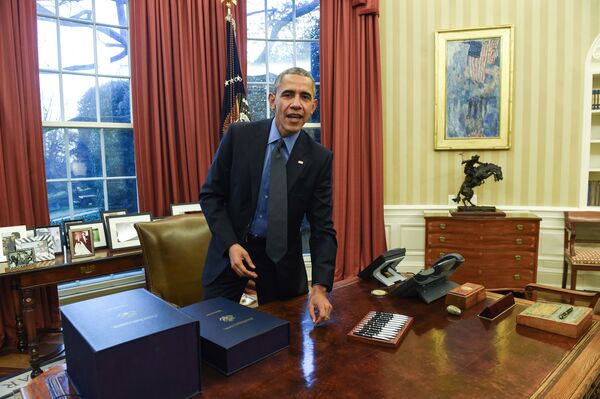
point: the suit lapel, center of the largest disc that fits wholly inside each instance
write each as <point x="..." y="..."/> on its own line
<point x="298" y="161"/>
<point x="259" y="140"/>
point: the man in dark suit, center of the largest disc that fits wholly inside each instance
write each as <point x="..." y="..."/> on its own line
<point x="235" y="200"/>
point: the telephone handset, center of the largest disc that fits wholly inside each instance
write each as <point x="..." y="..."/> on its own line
<point x="431" y="284"/>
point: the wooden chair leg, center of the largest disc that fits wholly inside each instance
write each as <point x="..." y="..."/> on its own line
<point x="565" y="272"/>
<point x="573" y="277"/>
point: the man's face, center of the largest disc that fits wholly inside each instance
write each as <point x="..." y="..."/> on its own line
<point x="294" y="103"/>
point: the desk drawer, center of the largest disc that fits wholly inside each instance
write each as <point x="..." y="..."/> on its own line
<point x="481" y="242"/>
<point x="480" y="227"/>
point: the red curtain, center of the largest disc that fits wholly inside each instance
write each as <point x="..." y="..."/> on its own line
<point x="351" y="125"/>
<point x="178" y="59"/>
<point x="22" y="176"/>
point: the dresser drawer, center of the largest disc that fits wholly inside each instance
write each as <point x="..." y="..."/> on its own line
<point x="482" y="242"/>
<point x="475" y="227"/>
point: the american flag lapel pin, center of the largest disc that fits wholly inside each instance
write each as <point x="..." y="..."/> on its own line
<point x="300" y="162"/>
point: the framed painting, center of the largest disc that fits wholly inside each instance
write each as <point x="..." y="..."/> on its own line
<point x="180" y="209"/>
<point x="473" y="88"/>
<point x="121" y="230"/>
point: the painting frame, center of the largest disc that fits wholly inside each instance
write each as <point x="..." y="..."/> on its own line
<point x="74" y="249"/>
<point x="473" y="88"/>
<point x="115" y="242"/>
<point x="96" y="225"/>
<point x="180" y="209"/>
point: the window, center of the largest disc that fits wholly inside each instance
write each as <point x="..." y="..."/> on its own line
<point x="281" y="34"/>
<point x="85" y="86"/>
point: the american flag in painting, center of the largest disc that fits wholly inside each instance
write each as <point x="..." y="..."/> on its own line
<point x="482" y="53"/>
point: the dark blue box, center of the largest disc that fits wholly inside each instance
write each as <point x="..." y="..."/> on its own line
<point x="235" y="336"/>
<point x="131" y="345"/>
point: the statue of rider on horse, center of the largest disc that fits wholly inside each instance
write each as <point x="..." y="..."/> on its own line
<point x="475" y="174"/>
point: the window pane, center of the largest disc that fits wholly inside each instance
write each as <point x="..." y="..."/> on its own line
<point x="120" y="159"/>
<point x="255" y="11"/>
<point x="314" y="132"/>
<point x="50" y="96"/>
<point x="280" y="19"/>
<point x="46" y="7"/>
<point x="81" y="9"/>
<point x="58" y="200"/>
<point x="257" y="99"/>
<point x="114" y="100"/>
<point x="257" y="67"/>
<point x="85" y="156"/>
<point x="77" y="46"/>
<point x="47" y="45"/>
<point x="304" y="56"/>
<point x="315" y="60"/>
<point x="113" y="12"/>
<point x="122" y="194"/>
<point x="88" y="199"/>
<point x="55" y="153"/>
<point x="281" y="56"/>
<point x="307" y="19"/>
<point x="316" y="116"/>
<point x="79" y="94"/>
<point x="111" y="44"/>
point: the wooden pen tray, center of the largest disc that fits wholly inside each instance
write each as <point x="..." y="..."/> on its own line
<point x="396" y="326"/>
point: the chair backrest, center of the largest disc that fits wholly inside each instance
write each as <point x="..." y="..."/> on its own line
<point x="174" y="251"/>
<point x="581" y="227"/>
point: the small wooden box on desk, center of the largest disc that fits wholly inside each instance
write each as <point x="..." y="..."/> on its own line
<point x="499" y="252"/>
<point x="466" y="296"/>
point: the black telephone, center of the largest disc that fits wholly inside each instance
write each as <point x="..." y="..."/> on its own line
<point x="383" y="269"/>
<point x="431" y="284"/>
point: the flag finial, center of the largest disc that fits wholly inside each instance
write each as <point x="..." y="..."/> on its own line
<point x="228" y="4"/>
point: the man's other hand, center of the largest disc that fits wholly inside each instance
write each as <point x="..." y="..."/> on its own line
<point x="319" y="306"/>
<point x="240" y="262"/>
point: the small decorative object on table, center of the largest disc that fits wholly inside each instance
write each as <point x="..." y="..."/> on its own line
<point x="381" y="328"/>
<point x="557" y="318"/>
<point x="475" y="174"/>
<point x="466" y="295"/>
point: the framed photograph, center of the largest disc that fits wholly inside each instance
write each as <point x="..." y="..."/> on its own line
<point x="121" y="230"/>
<point x="98" y="234"/>
<point x="66" y="225"/>
<point x="21" y="257"/>
<point x="82" y="242"/>
<point x="55" y="232"/>
<point x="473" y="88"/>
<point x="179" y="209"/>
<point x="43" y="246"/>
<point x="8" y="237"/>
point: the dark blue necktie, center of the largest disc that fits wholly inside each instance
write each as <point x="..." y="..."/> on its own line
<point x="276" y="246"/>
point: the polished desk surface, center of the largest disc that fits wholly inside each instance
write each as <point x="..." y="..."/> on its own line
<point x="441" y="356"/>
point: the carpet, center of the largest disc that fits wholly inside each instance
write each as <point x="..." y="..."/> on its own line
<point x="10" y="384"/>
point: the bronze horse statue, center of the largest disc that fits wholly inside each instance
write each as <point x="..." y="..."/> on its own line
<point x="475" y="176"/>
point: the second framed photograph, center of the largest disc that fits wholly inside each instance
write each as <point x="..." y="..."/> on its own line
<point x="8" y="237"/>
<point x="473" y="83"/>
<point x="180" y="209"/>
<point x="82" y="242"/>
<point x="43" y="246"/>
<point x="121" y="230"/>
<point x="98" y="233"/>
<point x="55" y="233"/>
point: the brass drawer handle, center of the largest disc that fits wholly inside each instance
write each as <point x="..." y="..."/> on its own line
<point x="517" y="257"/>
<point x="443" y="226"/>
<point x="516" y="276"/>
<point x="519" y="227"/>
<point x="442" y="239"/>
<point x="519" y="241"/>
<point x="87" y="269"/>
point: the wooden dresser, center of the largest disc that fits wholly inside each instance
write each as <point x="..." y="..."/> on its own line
<point x="499" y="252"/>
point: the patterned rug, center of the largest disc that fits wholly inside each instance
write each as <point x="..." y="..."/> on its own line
<point x="10" y="384"/>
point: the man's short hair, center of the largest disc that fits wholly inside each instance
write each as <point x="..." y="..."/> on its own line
<point x="295" y="71"/>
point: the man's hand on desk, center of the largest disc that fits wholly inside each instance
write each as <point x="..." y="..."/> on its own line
<point x="319" y="306"/>
<point x="240" y="262"/>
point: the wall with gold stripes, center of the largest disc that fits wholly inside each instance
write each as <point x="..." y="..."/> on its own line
<point x="551" y="41"/>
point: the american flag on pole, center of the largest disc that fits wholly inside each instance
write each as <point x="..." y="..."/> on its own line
<point x="235" y="105"/>
<point x="480" y="55"/>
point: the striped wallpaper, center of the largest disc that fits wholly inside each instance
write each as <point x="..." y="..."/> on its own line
<point x="551" y="41"/>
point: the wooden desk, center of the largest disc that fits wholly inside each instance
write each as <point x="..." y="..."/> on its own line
<point x="442" y="356"/>
<point x="60" y="270"/>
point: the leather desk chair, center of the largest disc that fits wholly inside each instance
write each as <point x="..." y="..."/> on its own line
<point x="174" y="251"/>
<point x="582" y="244"/>
<point x="581" y="298"/>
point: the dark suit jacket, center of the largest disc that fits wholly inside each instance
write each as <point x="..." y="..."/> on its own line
<point x="229" y="198"/>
